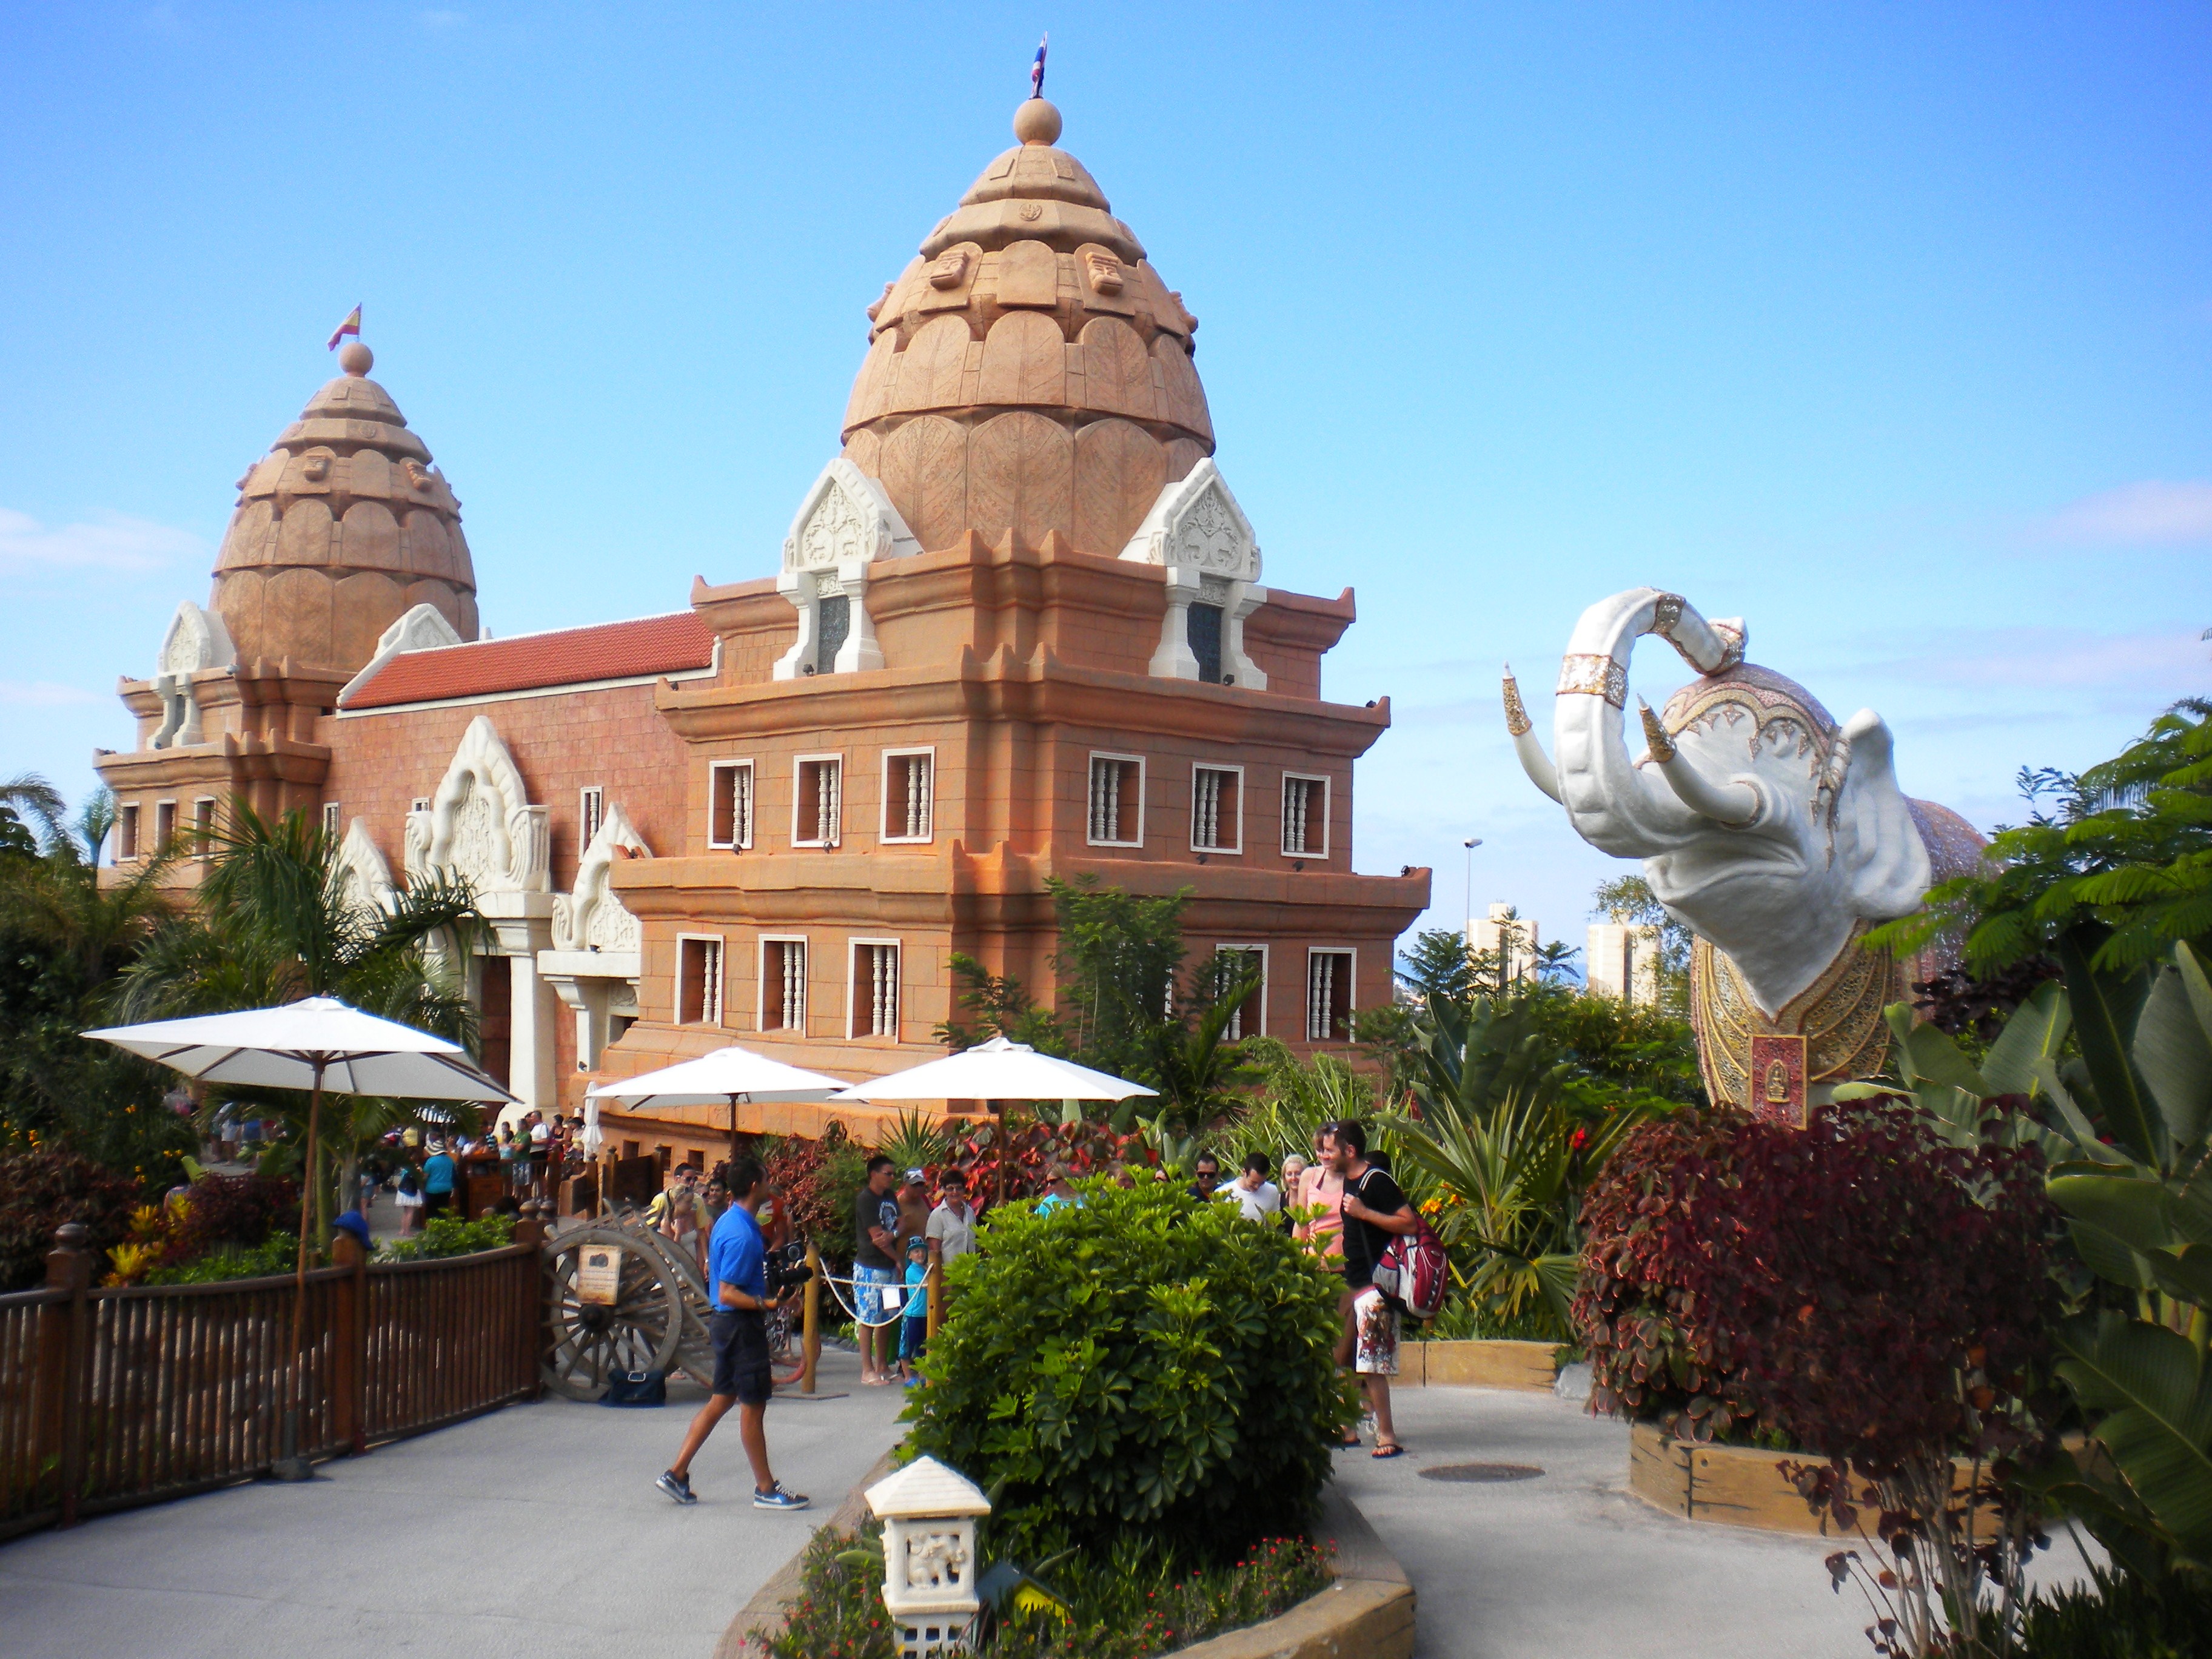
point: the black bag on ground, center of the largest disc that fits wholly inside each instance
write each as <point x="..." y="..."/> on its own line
<point x="637" y="1389"/>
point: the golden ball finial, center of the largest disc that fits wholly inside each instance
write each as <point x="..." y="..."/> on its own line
<point x="355" y="358"/>
<point x="1036" y="122"/>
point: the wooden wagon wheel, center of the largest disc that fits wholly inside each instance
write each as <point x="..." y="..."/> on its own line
<point x="588" y="1343"/>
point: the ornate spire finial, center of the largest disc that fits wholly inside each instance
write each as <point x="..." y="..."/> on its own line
<point x="356" y="359"/>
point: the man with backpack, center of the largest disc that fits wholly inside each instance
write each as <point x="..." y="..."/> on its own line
<point x="1374" y="1213"/>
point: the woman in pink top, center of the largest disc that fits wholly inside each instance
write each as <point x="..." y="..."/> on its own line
<point x="1321" y="1186"/>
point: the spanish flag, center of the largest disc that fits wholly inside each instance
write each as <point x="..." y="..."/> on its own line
<point x="351" y="326"/>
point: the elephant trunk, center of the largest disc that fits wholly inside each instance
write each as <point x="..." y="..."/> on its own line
<point x="1612" y="805"/>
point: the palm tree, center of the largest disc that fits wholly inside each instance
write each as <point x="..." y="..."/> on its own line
<point x="272" y="923"/>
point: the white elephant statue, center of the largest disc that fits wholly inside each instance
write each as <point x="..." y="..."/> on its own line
<point x="1776" y="836"/>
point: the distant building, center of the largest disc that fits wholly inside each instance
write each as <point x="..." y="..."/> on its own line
<point x="1623" y="962"/>
<point x="1512" y="937"/>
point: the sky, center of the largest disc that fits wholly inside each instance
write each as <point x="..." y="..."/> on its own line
<point x="1884" y="327"/>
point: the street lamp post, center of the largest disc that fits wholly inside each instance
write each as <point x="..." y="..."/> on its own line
<point x="1470" y="843"/>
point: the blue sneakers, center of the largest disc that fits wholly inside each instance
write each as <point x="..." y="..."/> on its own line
<point x="776" y="1498"/>
<point x="678" y="1487"/>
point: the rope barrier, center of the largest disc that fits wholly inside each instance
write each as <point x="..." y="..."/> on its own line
<point x="893" y="1295"/>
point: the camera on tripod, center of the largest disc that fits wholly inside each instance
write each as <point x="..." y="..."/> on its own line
<point x="787" y="1269"/>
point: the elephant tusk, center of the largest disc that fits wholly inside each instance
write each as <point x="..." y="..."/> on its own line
<point x="1534" y="761"/>
<point x="1732" y="804"/>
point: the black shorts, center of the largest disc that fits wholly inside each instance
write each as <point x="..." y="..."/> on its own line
<point x="434" y="1204"/>
<point x="740" y="1339"/>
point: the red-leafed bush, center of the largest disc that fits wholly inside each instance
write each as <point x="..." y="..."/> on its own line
<point x="1876" y="1294"/>
<point x="41" y="1190"/>
<point x="1030" y="1150"/>
<point x="1834" y="1283"/>
<point x="240" y="1210"/>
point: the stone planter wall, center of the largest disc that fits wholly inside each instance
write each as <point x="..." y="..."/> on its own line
<point x="1498" y="1365"/>
<point x="1732" y="1485"/>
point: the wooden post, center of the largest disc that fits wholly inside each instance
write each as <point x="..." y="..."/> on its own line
<point x="62" y="1370"/>
<point x="349" y="1344"/>
<point x="537" y="1331"/>
<point x="810" y="1328"/>
<point x="934" y="1314"/>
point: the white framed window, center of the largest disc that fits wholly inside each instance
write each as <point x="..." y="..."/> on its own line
<point x="1250" y="1019"/>
<point x="1330" y="974"/>
<point x="126" y="832"/>
<point x="1117" y="801"/>
<point x="872" y="989"/>
<point x="1305" y="816"/>
<point x="1216" y="809"/>
<point x="730" y="805"/>
<point x="165" y="826"/>
<point x="910" y="794"/>
<point x="590" y="813"/>
<point x="783" y="984"/>
<point x="817" y="801"/>
<point x="420" y="804"/>
<point x="204" y="828"/>
<point x="698" y="979"/>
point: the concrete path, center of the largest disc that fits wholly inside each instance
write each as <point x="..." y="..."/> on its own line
<point x="1571" y="1563"/>
<point x="534" y="1532"/>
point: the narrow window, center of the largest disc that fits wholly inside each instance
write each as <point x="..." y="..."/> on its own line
<point x="630" y="1149"/>
<point x="699" y="981"/>
<point x="203" y="827"/>
<point x="591" y="812"/>
<point x="421" y="803"/>
<point x="819" y="803"/>
<point x="1305" y="817"/>
<point x="331" y="819"/>
<point x="1235" y="961"/>
<point x="783" y="985"/>
<point x="126" y="833"/>
<point x="1204" y="633"/>
<point x="165" y="826"/>
<point x="1117" y="801"/>
<point x="909" y="784"/>
<point x="833" y="621"/>
<point x="730" y="805"/>
<point x="1216" y="810"/>
<point x="1329" y="996"/>
<point x="875" y="991"/>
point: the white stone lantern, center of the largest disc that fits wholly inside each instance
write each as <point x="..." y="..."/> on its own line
<point x="929" y="1514"/>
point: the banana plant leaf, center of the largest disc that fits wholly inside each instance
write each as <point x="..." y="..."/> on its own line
<point x="2153" y="1386"/>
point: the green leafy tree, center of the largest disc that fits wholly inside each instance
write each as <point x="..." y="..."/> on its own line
<point x="271" y="923"/>
<point x="2126" y="847"/>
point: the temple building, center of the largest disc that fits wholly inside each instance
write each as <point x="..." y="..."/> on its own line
<point x="1017" y="629"/>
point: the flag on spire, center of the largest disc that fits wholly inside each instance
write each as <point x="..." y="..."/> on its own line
<point x="351" y="326"/>
<point x="1037" y="69"/>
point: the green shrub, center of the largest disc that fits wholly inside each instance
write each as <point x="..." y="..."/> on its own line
<point x="447" y="1234"/>
<point x="1143" y="1363"/>
<point x="2118" y="1616"/>
<point x="278" y="1252"/>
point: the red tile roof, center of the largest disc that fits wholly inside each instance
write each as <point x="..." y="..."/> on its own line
<point x="609" y="651"/>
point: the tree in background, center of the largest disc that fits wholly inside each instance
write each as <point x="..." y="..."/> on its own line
<point x="1628" y="901"/>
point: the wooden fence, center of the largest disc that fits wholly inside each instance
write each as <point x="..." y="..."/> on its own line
<point x="126" y="1395"/>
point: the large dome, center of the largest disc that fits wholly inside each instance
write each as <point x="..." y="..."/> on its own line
<point x="1029" y="371"/>
<point x="341" y="530"/>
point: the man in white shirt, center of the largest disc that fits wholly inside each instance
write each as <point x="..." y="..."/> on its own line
<point x="1259" y="1197"/>
<point x="950" y="1229"/>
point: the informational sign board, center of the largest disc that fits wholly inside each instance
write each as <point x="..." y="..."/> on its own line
<point x="598" y="1275"/>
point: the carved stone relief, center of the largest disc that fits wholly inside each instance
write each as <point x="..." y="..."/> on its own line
<point x="196" y="640"/>
<point x="592" y="918"/>
<point x="1201" y="536"/>
<point x="844" y="523"/>
<point x="363" y="875"/>
<point x="480" y="824"/>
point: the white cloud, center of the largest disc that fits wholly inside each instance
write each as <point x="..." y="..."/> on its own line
<point x="110" y="541"/>
<point x="2165" y="664"/>
<point x="2150" y="511"/>
<point x="45" y="694"/>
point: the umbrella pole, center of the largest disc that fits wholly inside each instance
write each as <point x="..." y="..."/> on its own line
<point x="292" y="1465"/>
<point x="998" y="1110"/>
<point x="733" y="1128"/>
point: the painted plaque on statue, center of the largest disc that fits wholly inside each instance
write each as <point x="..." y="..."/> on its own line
<point x="1777" y="1079"/>
<point x="598" y="1275"/>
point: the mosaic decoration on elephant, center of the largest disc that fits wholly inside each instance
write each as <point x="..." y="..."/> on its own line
<point x="1839" y="1016"/>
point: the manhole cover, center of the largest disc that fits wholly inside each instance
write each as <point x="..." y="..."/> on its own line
<point x="1481" y="1472"/>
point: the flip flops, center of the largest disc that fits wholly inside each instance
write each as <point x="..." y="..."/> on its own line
<point x="1391" y="1450"/>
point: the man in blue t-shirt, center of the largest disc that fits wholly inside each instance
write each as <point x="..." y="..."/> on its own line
<point x="736" y="1269"/>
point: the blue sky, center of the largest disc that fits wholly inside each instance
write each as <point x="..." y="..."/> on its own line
<point x="1885" y="327"/>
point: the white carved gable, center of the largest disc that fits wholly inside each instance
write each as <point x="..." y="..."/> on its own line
<point x="592" y="918"/>
<point x="480" y="825"/>
<point x="360" y="869"/>
<point x="423" y="629"/>
<point x="196" y="640"/>
<point x="1195" y="524"/>
<point x="846" y="520"/>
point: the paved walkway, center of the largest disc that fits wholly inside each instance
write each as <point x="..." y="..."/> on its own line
<point x="1571" y="1563"/>
<point x="534" y="1532"/>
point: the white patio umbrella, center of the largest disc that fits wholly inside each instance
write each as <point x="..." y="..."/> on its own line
<point x="317" y="1043"/>
<point x="731" y="1076"/>
<point x="997" y="1071"/>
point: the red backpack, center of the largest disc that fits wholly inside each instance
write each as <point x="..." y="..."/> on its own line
<point x="1413" y="1272"/>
